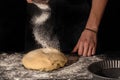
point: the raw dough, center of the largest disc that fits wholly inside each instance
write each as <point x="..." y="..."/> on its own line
<point x="44" y="59"/>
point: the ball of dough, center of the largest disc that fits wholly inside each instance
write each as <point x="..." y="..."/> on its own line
<point x="44" y="59"/>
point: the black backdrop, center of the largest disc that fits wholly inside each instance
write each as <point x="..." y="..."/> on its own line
<point x="13" y="22"/>
<point x="12" y="25"/>
<point x="109" y="31"/>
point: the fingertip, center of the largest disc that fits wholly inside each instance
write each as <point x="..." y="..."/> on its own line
<point x="85" y="55"/>
<point x="79" y="53"/>
<point x="73" y="51"/>
<point x="89" y="55"/>
<point x="93" y="53"/>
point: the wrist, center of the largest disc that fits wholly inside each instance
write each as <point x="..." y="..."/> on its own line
<point x="90" y="29"/>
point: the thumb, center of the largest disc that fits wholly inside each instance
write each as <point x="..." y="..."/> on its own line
<point x="75" y="48"/>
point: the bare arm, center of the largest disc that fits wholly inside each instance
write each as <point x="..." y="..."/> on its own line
<point x="96" y="13"/>
<point x="86" y="45"/>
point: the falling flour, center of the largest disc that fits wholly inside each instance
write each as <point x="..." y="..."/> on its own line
<point x="42" y="30"/>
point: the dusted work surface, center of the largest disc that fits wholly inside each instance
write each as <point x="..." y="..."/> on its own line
<point x="11" y="68"/>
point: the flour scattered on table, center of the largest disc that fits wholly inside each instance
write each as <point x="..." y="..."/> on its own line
<point x="13" y="69"/>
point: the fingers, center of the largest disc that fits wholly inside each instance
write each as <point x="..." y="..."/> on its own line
<point x="76" y="48"/>
<point x="93" y="51"/>
<point x="81" y="48"/>
<point x="86" y="49"/>
<point x="89" y="51"/>
<point x="86" y="45"/>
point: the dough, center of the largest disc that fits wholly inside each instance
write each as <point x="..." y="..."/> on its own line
<point x="44" y="59"/>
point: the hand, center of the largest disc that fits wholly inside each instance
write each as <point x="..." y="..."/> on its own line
<point x="86" y="45"/>
<point x="29" y="1"/>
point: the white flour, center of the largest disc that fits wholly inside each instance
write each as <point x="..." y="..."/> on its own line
<point x="41" y="34"/>
<point x="12" y="69"/>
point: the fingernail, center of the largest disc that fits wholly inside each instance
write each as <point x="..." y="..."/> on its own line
<point x="84" y="55"/>
<point x="79" y="54"/>
<point x="73" y="52"/>
<point x="93" y="53"/>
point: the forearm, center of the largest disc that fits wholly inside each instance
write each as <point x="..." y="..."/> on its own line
<point x="96" y="13"/>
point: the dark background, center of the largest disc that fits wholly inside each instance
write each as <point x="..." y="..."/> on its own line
<point x="109" y="32"/>
<point x="12" y="25"/>
<point x="13" y="20"/>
